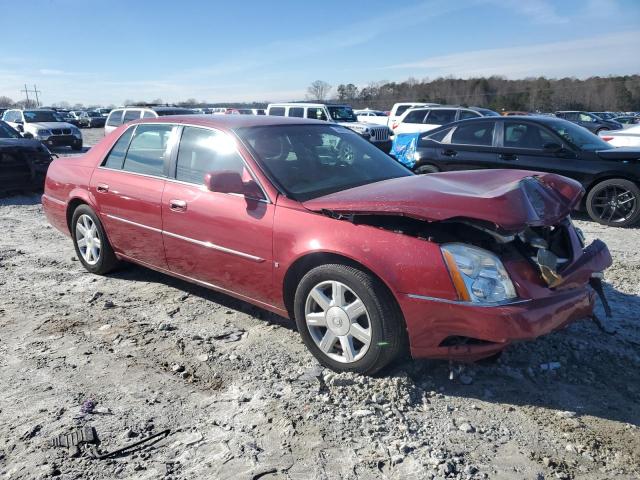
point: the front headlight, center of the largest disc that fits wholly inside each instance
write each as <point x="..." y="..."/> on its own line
<point x="477" y="274"/>
<point x="43" y="133"/>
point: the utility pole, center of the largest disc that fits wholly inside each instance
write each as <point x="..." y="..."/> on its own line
<point x="26" y="92"/>
<point x="36" y="91"/>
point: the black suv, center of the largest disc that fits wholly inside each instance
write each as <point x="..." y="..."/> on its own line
<point x="590" y="121"/>
<point x="610" y="176"/>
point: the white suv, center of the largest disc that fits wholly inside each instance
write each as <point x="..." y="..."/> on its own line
<point x="118" y="116"/>
<point x="46" y="126"/>
<point x="424" y="119"/>
<point x="399" y="108"/>
<point x="378" y="135"/>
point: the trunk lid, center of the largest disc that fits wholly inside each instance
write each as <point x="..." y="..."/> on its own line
<point x="508" y="200"/>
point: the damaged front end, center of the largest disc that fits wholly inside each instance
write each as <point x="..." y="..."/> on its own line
<point x="511" y="246"/>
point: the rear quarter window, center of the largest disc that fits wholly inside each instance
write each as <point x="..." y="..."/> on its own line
<point x="115" y="118"/>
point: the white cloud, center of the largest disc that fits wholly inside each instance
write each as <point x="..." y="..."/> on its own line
<point x="613" y="54"/>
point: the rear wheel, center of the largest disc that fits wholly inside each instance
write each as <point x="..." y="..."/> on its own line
<point x="427" y="168"/>
<point x="91" y="243"/>
<point x="348" y="319"/>
<point x="614" y="202"/>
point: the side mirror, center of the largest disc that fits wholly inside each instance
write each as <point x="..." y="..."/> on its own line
<point x="552" y="147"/>
<point x="224" y="182"/>
<point x="19" y="127"/>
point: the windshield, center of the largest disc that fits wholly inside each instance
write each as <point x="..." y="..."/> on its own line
<point x="7" y="132"/>
<point x="31" y="116"/>
<point x="342" y="114"/>
<point x="579" y="136"/>
<point x="308" y="161"/>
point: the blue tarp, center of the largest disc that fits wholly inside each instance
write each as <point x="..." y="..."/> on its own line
<point x="404" y="148"/>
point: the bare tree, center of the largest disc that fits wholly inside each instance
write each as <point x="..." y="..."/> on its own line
<point x="318" y="90"/>
<point x="5" y="102"/>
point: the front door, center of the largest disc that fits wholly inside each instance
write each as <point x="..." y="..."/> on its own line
<point x="128" y="190"/>
<point x="222" y="239"/>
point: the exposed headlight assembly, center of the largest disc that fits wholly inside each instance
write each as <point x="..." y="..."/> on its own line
<point x="477" y="274"/>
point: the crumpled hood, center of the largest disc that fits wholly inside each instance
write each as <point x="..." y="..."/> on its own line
<point x="510" y="200"/>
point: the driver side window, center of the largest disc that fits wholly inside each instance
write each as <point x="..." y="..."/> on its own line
<point x="205" y="151"/>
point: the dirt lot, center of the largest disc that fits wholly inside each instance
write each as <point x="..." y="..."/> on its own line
<point x="244" y="400"/>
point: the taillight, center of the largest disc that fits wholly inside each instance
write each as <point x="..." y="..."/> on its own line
<point x="607" y="139"/>
<point x="394" y="126"/>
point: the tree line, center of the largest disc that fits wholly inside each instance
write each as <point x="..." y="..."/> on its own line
<point x="614" y="93"/>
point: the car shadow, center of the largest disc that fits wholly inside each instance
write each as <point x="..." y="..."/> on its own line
<point x="578" y="369"/>
<point x="21" y="197"/>
<point x="138" y="273"/>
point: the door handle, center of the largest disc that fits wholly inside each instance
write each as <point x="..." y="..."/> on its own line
<point x="177" y="205"/>
<point x="508" y="156"/>
<point x="102" y="188"/>
<point x="449" y="153"/>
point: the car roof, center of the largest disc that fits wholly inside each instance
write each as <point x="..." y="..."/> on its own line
<point x="230" y="122"/>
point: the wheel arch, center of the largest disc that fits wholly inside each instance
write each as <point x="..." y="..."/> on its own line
<point x="309" y="261"/>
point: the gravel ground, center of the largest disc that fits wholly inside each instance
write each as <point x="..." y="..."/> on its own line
<point x="244" y="399"/>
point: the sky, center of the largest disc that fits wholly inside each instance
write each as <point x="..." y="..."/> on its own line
<point x="91" y="52"/>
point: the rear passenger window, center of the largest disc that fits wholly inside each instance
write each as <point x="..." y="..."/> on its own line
<point x="148" y="149"/>
<point x="148" y="114"/>
<point x="441" y="117"/>
<point x="468" y="114"/>
<point x="316" y="113"/>
<point x="296" y="112"/>
<point x="278" y="111"/>
<point x="476" y="133"/>
<point x="115" y="118"/>
<point x="116" y="156"/>
<point x="415" y="116"/>
<point x="130" y="115"/>
<point x="205" y="151"/>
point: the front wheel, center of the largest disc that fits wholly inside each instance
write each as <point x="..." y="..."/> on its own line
<point x="91" y="243"/>
<point x="614" y="202"/>
<point x="76" y="147"/>
<point x="348" y="319"/>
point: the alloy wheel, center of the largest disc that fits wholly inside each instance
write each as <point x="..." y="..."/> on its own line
<point x="614" y="204"/>
<point x="88" y="239"/>
<point x="338" y="321"/>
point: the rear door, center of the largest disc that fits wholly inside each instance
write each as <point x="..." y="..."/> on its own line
<point x="470" y="146"/>
<point x="222" y="239"/>
<point x="128" y="190"/>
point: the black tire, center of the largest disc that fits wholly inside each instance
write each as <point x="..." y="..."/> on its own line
<point x="621" y="214"/>
<point x="107" y="260"/>
<point x="76" y="147"/>
<point x="388" y="333"/>
<point x="426" y="168"/>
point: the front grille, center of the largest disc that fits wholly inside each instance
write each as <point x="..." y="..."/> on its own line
<point x="380" y="134"/>
<point x="61" y="131"/>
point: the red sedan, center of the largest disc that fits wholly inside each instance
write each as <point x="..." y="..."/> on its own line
<point x="312" y="222"/>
